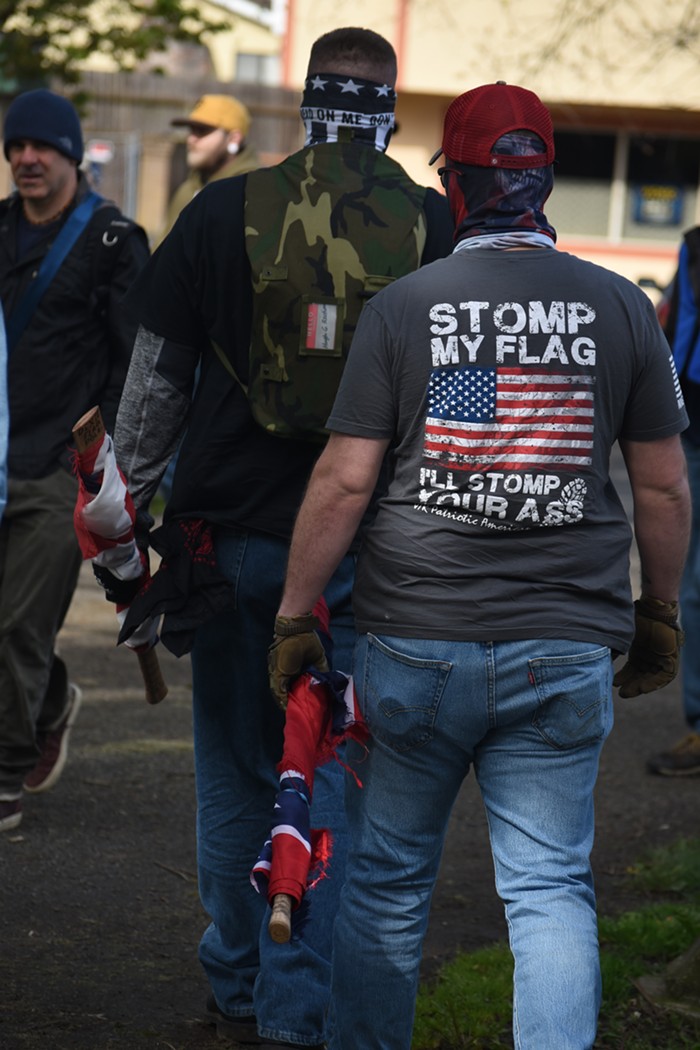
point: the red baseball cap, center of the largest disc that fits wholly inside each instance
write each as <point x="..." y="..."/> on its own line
<point x="477" y="119"/>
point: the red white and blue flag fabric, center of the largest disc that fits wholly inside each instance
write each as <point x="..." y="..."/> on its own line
<point x="321" y="714"/>
<point x="104" y="520"/>
<point x="509" y="418"/>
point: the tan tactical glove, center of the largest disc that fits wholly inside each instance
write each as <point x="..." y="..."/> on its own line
<point x="295" y="647"/>
<point x="654" y="657"/>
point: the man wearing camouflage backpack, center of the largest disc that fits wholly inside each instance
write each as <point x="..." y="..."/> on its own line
<point x="261" y="283"/>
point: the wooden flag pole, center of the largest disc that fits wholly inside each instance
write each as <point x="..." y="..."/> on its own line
<point x="280" y="924"/>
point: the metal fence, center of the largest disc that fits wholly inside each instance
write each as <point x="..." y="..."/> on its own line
<point x="132" y="113"/>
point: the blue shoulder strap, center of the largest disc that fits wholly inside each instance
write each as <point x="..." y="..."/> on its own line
<point x="68" y="235"/>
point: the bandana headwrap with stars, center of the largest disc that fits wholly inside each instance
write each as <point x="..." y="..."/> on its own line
<point x="336" y="106"/>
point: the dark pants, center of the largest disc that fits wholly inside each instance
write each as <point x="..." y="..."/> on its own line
<point x="238" y="733"/>
<point x="39" y="564"/>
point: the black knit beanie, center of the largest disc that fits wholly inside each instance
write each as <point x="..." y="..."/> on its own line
<point x="46" y="117"/>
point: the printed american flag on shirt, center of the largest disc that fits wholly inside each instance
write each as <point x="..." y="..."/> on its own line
<point x="510" y="418"/>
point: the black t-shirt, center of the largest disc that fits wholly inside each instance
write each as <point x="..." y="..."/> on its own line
<point x="196" y="293"/>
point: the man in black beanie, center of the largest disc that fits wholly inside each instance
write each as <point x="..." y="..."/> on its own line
<point x="66" y="258"/>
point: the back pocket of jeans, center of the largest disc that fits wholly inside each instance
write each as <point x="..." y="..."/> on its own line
<point x="401" y="695"/>
<point x="574" y="694"/>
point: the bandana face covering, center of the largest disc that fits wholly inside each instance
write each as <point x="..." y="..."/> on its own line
<point x="500" y="200"/>
<point x="335" y="106"/>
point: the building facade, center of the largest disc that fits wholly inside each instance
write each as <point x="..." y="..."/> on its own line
<point x="622" y="81"/>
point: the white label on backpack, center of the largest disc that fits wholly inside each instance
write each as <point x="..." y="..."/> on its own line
<point x="321" y="322"/>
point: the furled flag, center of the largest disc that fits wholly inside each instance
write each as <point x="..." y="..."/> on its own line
<point x="321" y="714"/>
<point x="104" y="520"/>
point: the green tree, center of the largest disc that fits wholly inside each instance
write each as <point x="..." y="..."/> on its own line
<point x="40" y="39"/>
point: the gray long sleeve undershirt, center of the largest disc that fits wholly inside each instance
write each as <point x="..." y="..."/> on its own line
<point x="151" y="420"/>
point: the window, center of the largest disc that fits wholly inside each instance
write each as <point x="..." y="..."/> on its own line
<point x="583" y="172"/>
<point x="258" y="69"/>
<point x="662" y="178"/>
<point x="659" y="194"/>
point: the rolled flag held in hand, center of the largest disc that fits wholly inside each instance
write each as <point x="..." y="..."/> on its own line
<point x="104" y="523"/>
<point x="320" y="715"/>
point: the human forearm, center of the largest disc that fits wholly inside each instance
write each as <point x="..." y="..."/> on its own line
<point x="337" y="496"/>
<point x="662" y="550"/>
<point x="324" y="530"/>
<point x="320" y="541"/>
<point x="340" y="488"/>
<point x="662" y="530"/>
<point x="662" y="521"/>
<point x="662" y="513"/>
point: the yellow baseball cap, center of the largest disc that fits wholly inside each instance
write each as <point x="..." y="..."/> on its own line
<point x="217" y="111"/>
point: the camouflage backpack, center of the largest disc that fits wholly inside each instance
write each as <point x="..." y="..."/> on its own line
<point x="325" y="230"/>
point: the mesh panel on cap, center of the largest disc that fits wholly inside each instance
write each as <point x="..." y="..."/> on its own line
<point x="478" y="118"/>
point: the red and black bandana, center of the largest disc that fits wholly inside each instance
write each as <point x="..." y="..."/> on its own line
<point x="499" y="200"/>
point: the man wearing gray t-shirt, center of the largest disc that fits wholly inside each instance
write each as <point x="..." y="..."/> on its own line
<point x="492" y="592"/>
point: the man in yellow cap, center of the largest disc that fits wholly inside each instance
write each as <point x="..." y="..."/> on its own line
<point x="216" y="149"/>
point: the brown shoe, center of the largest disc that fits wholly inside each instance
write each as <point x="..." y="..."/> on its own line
<point x="54" y="747"/>
<point x="683" y="760"/>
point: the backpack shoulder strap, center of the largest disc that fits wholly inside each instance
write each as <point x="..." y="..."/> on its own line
<point x="50" y="264"/>
<point x="109" y="229"/>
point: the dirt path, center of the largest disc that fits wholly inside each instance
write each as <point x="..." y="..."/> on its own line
<point x="99" y="914"/>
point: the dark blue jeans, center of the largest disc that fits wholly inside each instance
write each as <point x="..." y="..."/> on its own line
<point x="238" y="741"/>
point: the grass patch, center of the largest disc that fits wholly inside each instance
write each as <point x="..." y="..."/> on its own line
<point x="468" y="1006"/>
<point x="477" y="988"/>
<point x="674" y="870"/>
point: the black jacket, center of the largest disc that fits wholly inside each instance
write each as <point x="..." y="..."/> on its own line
<point x="74" y="352"/>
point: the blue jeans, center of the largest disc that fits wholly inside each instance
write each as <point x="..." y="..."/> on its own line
<point x="238" y="742"/>
<point x="690" y="599"/>
<point x="531" y="717"/>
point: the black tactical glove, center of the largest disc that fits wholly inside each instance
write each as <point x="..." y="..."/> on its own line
<point x="142" y="530"/>
<point x="122" y="592"/>
<point x="295" y="647"/>
<point x="654" y="657"/>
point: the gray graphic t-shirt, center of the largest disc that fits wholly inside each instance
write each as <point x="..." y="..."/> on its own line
<point x="504" y="379"/>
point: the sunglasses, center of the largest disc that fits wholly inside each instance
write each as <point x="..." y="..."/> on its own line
<point x="442" y="172"/>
